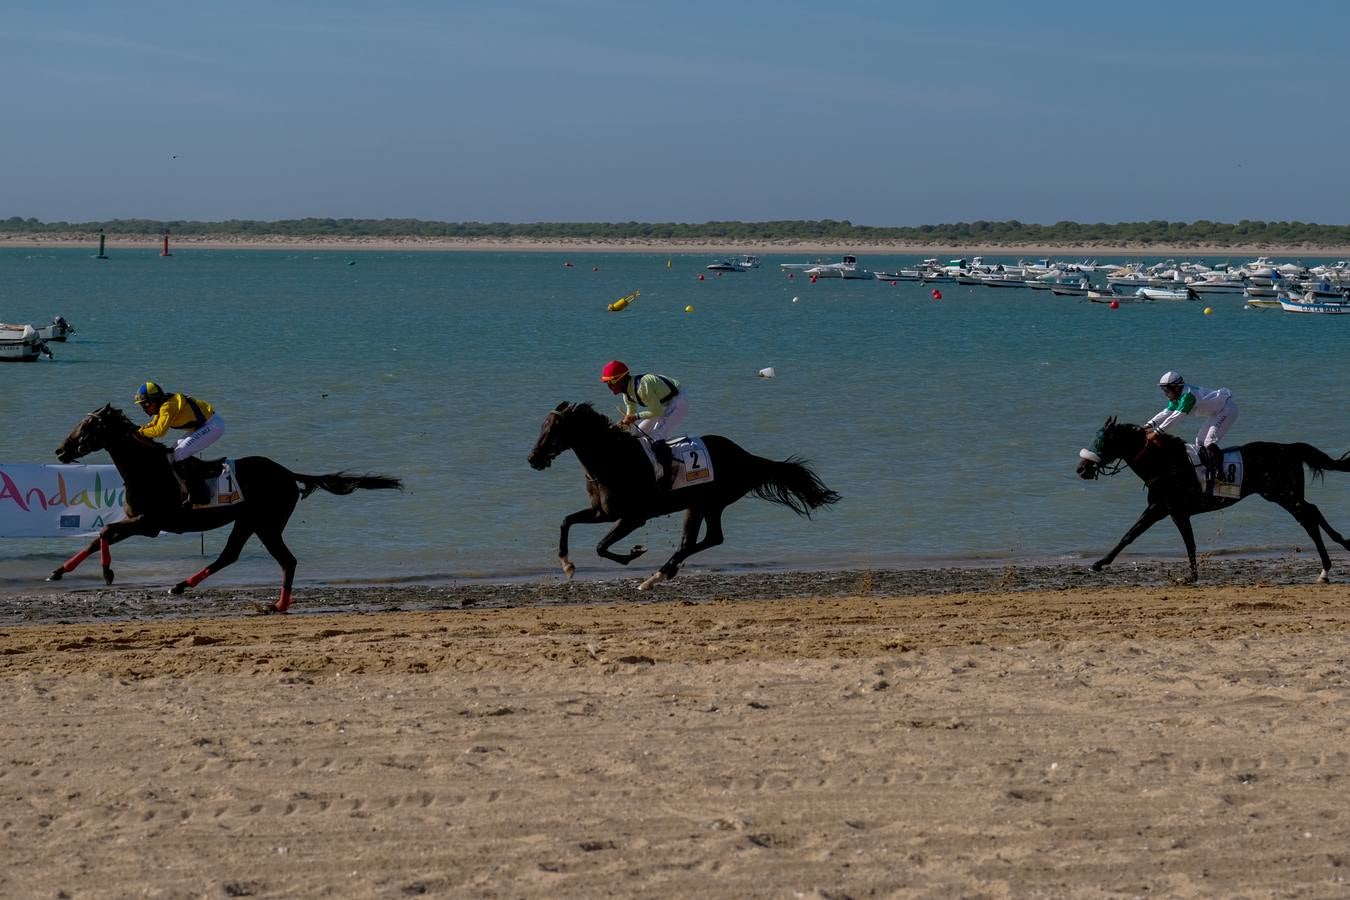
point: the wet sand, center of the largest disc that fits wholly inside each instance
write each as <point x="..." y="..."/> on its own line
<point x="975" y="732"/>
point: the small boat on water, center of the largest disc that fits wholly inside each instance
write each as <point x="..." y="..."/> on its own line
<point x="58" y="330"/>
<point x="1310" y="303"/>
<point x="847" y="267"/>
<point x="744" y="264"/>
<point x="1096" y="296"/>
<point x="1153" y="293"/>
<point x="1262" y="303"/>
<point x="23" y="345"/>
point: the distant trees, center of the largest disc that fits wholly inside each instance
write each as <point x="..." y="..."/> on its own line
<point x="1012" y="231"/>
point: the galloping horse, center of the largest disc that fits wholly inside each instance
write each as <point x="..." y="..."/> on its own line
<point x="1274" y="471"/>
<point x="153" y="502"/>
<point x="621" y="488"/>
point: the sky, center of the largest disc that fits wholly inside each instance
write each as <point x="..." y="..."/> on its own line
<point x="879" y="113"/>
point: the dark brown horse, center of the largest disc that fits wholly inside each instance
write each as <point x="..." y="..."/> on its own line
<point x="153" y="500"/>
<point x="622" y="488"/>
<point x="1273" y="471"/>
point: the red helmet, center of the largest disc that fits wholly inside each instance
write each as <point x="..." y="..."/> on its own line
<point x="613" y="371"/>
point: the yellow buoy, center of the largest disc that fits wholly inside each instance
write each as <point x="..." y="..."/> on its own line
<point x="622" y="302"/>
<point x="1208" y="310"/>
<point x="688" y="309"/>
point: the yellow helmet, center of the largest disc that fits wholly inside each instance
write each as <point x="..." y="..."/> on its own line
<point x="149" y="393"/>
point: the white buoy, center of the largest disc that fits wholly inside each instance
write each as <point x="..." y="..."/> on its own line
<point x="795" y="299"/>
<point x="767" y="372"/>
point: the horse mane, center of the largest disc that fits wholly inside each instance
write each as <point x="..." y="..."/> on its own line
<point x="587" y="416"/>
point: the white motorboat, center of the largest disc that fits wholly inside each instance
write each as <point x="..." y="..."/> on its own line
<point x="58" y="330"/>
<point x="1097" y="296"/>
<point x="1310" y="303"/>
<point x="22" y="345"/>
<point x="1217" y="283"/>
<point x="902" y="275"/>
<point x="1150" y="293"/>
<point x="744" y="264"/>
<point x="846" y="268"/>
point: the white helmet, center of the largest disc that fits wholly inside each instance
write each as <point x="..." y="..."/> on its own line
<point x="1171" y="378"/>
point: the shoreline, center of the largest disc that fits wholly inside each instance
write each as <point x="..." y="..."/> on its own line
<point x="90" y="601"/>
<point x="560" y="245"/>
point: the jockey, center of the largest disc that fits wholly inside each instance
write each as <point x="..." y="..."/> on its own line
<point x="654" y="404"/>
<point x="184" y="413"/>
<point x="1215" y="406"/>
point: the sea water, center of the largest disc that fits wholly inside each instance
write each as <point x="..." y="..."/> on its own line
<point x="950" y="427"/>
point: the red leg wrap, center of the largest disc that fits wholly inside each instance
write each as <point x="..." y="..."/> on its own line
<point x="285" y="602"/>
<point x="198" y="578"/>
<point x="105" y="553"/>
<point x="75" y="560"/>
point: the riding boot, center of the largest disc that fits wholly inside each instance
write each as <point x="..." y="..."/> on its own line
<point x="667" y="460"/>
<point x="198" y="493"/>
<point x="1212" y="457"/>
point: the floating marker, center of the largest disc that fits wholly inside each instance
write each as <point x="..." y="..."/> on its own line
<point x="1208" y="310"/>
<point x="165" y="251"/>
<point x="700" y="278"/>
<point x="1115" y="304"/>
<point x="795" y="299"/>
<point x="767" y="372"/>
<point x="689" y="309"/>
<point x="937" y="295"/>
<point x="101" y="239"/>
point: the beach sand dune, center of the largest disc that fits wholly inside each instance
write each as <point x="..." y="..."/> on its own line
<point x="1090" y="742"/>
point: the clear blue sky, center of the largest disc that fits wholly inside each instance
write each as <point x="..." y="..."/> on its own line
<point x="883" y="113"/>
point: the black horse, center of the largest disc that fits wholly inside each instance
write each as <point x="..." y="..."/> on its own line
<point x="1274" y="471"/>
<point x="622" y="488"/>
<point x="153" y="499"/>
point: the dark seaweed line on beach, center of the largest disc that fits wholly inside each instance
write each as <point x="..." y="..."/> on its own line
<point x="102" y="604"/>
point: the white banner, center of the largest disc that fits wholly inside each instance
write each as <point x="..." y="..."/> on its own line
<point x="57" y="501"/>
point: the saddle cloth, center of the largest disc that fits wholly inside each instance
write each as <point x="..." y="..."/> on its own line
<point x="690" y="459"/>
<point x="1228" y="480"/>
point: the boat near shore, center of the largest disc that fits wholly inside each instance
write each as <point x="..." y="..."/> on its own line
<point x="22" y="344"/>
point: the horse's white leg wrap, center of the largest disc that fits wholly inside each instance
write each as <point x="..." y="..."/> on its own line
<point x="651" y="582"/>
<point x="1325" y="577"/>
<point x="568" y="567"/>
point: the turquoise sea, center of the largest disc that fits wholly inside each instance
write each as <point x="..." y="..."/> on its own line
<point x="951" y="427"/>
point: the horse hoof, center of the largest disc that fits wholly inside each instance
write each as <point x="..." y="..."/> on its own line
<point x="107" y="576"/>
<point x="1096" y="567"/>
<point x="178" y="588"/>
<point x="651" y="582"/>
<point x="569" y="568"/>
<point x="638" y="550"/>
<point x="1324" y="578"/>
<point x="57" y="575"/>
<point x="268" y="609"/>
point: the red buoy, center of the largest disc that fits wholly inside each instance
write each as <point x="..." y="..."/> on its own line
<point x="700" y="278"/>
<point x="1115" y="304"/>
<point x="937" y="295"/>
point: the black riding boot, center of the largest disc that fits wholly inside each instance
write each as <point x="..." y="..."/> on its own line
<point x="198" y="493"/>
<point x="667" y="460"/>
<point x="1212" y="457"/>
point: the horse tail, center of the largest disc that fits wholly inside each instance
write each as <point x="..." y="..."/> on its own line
<point x="1320" y="463"/>
<point x="793" y="484"/>
<point x="345" y="482"/>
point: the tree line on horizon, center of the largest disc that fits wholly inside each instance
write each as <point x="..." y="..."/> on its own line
<point x="1012" y="231"/>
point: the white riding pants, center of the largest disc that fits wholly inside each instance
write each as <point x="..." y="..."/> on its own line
<point x="662" y="428"/>
<point x="1217" y="426"/>
<point x="200" y="439"/>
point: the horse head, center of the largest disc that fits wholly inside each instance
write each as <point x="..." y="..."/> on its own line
<point x="1102" y="452"/>
<point x="569" y="425"/>
<point x="94" y="432"/>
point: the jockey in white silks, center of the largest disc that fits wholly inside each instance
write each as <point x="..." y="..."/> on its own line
<point x="1215" y="407"/>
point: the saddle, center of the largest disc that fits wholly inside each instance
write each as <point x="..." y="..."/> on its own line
<point x="195" y="477"/>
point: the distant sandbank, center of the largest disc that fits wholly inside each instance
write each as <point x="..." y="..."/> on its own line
<point x="564" y="245"/>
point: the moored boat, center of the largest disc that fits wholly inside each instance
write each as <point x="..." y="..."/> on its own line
<point x="1309" y="303"/>
<point x="23" y="345"/>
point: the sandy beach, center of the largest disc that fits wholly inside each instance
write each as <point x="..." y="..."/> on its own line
<point x="1122" y="738"/>
<point x="281" y="242"/>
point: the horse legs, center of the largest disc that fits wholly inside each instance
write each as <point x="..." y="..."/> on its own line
<point x="1151" y="516"/>
<point x="588" y="516"/>
<point x="625" y="527"/>
<point x="1312" y="520"/>
<point x="1183" y="523"/>
<point x="109" y="535"/>
<point x="271" y="539"/>
<point x="239" y="536"/>
<point x="689" y="544"/>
